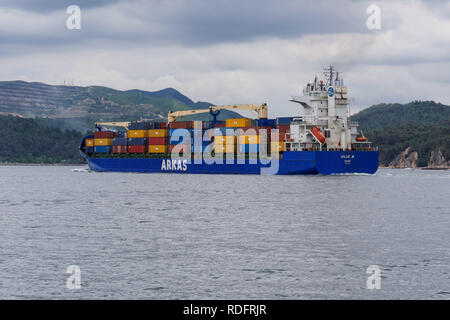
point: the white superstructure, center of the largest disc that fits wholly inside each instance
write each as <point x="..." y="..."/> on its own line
<point x="324" y="122"/>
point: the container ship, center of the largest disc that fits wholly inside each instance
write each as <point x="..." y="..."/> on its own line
<point x="320" y="140"/>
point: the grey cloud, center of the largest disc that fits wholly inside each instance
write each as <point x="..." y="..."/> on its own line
<point x="52" y="5"/>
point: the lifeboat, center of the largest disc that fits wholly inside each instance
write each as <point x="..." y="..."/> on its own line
<point x="318" y="134"/>
<point x="362" y="138"/>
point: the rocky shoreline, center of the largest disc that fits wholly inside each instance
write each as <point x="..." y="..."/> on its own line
<point x="408" y="159"/>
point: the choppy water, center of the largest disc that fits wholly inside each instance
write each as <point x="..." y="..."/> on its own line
<point x="230" y="237"/>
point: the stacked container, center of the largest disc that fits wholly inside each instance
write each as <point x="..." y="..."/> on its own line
<point x="120" y="145"/>
<point x="89" y="145"/>
<point x="158" y="140"/>
<point x="181" y="137"/>
<point x="238" y="123"/>
<point x="103" y="141"/>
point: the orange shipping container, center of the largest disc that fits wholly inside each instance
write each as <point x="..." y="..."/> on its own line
<point x="157" y="149"/>
<point x="137" y="134"/>
<point x="277" y="146"/>
<point x="155" y="133"/>
<point x="249" y="139"/>
<point x="244" y="122"/>
<point x="227" y="148"/>
<point x="221" y="140"/>
<point x="89" y="142"/>
<point x="102" y="142"/>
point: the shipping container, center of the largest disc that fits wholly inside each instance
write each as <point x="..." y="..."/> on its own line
<point x="220" y="140"/>
<point x="89" y="142"/>
<point x="143" y="125"/>
<point x="137" y="149"/>
<point x="105" y="134"/>
<point x="277" y="146"/>
<point x="163" y="125"/>
<point x="249" y="148"/>
<point x="249" y="139"/>
<point x="137" y="134"/>
<point x="224" y="131"/>
<point x="236" y="123"/>
<point x="119" y="149"/>
<point x="137" y="141"/>
<point x="181" y="124"/>
<point x="227" y="148"/>
<point x="89" y="149"/>
<point x="102" y="142"/>
<point x="157" y="148"/>
<point x="283" y="121"/>
<point x="158" y="141"/>
<point x="155" y="133"/>
<point x="102" y="149"/>
<point x="119" y="142"/>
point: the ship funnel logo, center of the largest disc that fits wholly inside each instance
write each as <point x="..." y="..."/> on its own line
<point x="331" y="92"/>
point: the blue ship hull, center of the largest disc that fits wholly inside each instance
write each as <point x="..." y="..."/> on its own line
<point x="293" y="162"/>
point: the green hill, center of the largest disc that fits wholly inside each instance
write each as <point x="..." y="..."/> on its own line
<point x="422" y="125"/>
<point x="78" y="108"/>
<point x="26" y="141"/>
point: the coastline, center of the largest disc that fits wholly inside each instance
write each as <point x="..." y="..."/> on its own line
<point x="18" y="164"/>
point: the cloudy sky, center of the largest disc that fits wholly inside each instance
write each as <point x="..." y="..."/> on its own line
<point x="232" y="51"/>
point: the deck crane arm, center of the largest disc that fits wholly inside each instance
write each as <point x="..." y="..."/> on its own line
<point x="173" y="116"/>
<point x="260" y="110"/>
<point x="113" y="124"/>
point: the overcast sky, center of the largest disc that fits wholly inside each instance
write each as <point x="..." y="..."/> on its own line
<point x="232" y="51"/>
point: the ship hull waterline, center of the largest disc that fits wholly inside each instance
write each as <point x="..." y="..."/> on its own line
<point x="292" y="163"/>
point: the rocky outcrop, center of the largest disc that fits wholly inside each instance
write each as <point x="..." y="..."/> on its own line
<point x="405" y="159"/>
<point x="437" y="160"/>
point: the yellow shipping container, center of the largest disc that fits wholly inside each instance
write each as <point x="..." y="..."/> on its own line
<point x="221" y="140"/>
<point x="227" y="148"/>
<point x="155" y="133"/>
<point x="249" y="139"/>
<point x="103" y="142"/>
<point x="137" y="134"/>
<point x="277" y="146"/>
<point x="89" y="142"/>
<point x="244" y="122"/>
<point x="157" y="149"/>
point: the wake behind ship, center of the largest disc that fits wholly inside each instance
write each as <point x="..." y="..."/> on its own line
<point x="321" y="140"/>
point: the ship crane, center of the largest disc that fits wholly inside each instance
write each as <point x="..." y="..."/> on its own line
<point x="98" y="125"/>
<point x="260" y="110"/>
<point x="173" y="116"/>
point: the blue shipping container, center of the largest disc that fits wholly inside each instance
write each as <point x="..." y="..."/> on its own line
<point x="284" y="120"/>
<point x="119" y="141"/>
<point x="137" y="141"/>
<point x="141" y="126"/>
<point x="103" y="149"/>
<point x="89" y="149"/>
<point x="249" y="148"/>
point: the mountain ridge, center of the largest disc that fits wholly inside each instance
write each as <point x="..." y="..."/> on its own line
<point x="78" y="107"/>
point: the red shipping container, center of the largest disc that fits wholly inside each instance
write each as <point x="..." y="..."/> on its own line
<point x="163" y="125"/>
<point x="181" y="125"/>
<point x="119" y="149"/>
<point x="105" y="134"/>
<point x="137" y="149"/>
<point x="220" y="125"/>
<point x="284" y="127"/>
<point x="158" y="140"/>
